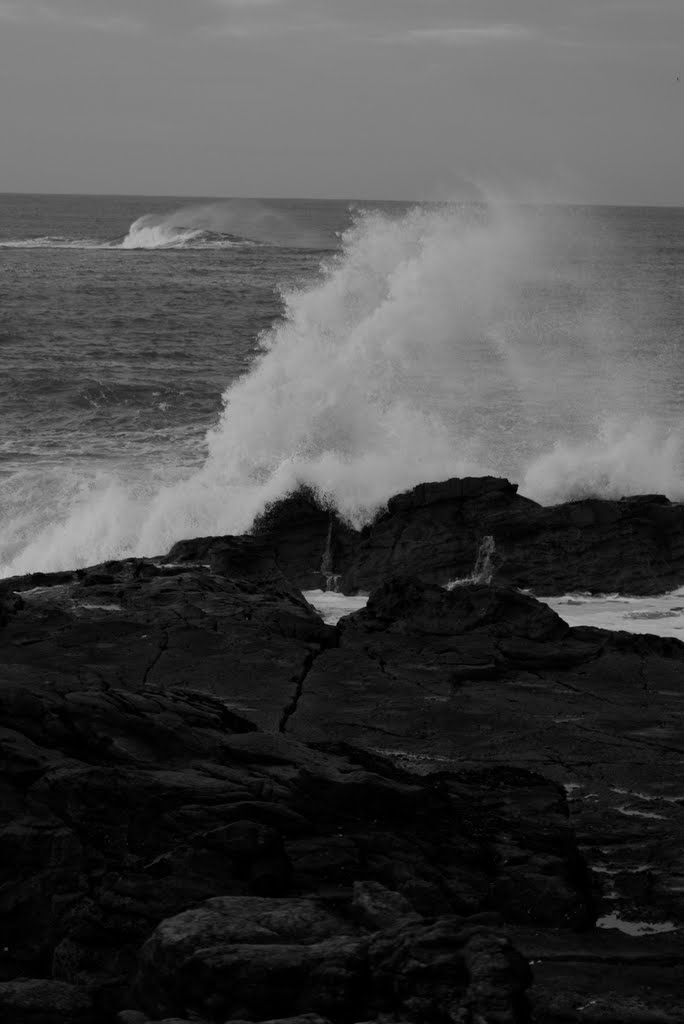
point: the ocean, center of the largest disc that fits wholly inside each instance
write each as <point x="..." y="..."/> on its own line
<point x="171" y="365"/>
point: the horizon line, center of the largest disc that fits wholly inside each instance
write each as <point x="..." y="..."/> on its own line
<point x="339" y="199"/>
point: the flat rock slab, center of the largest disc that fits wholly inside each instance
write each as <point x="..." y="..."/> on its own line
<point x="138" y="625"/>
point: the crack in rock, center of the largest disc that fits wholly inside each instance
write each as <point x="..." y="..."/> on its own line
<point x="163" y="646"/>
<point x="290" y="709"/>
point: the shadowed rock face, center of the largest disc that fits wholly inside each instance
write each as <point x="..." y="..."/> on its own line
<point x="309" y="541"/>
<point x="214" y="807"/>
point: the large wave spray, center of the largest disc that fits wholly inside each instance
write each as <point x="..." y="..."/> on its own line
<point x="443" y="342"/>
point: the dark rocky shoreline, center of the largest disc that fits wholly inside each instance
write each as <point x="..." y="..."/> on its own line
<point x="216" y="807"/>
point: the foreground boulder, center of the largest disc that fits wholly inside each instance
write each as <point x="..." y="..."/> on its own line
<point x="237" y="959"/>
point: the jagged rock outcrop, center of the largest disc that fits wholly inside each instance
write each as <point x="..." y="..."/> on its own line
<point x="432" y="532"/>
<point x="634" y="546"/>
<point x="436" y="531"/>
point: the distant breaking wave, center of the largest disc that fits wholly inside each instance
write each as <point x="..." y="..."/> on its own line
<point x="140" y="236"/>
<point x="217" y="225"/>
<point x="223" y="225"/>
<point x="148" y="233"/>
<point x="425" y="349"/>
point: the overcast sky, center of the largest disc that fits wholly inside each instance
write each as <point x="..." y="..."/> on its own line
<point x="574" y="100"/>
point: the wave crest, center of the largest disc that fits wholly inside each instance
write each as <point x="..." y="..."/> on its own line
<point x="148" y="233"/>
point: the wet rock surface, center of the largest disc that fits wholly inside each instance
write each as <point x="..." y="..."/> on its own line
<point x="215" y="807"/>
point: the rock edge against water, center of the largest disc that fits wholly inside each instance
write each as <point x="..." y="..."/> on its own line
<point x="215" y="807"/>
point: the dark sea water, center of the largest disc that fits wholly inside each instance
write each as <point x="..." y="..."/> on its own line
<point x="168" y="365"/>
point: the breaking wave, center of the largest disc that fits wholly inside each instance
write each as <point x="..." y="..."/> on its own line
<point x="146" y="234"/>
<point x="425" y="349"/>
<point x="221" y="225"/>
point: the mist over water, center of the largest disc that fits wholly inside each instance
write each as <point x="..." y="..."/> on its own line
<point x="444" y="341"/>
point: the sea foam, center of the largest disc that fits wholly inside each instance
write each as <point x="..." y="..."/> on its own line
<point x="430" y="346"/>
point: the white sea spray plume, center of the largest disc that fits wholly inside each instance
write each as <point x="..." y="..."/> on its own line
<point x="621" y="459"/>
<point x="151" y="232"/>
<point x="357" y="389"/>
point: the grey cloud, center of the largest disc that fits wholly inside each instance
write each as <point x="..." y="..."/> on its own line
<point x="404" y="20"/>
<point x="125" y="15"/>
<point x="27" y="13"/>
<point x="244" y="17"/>
<point x="464" y="35"/>
<point x="246" y="4"/>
